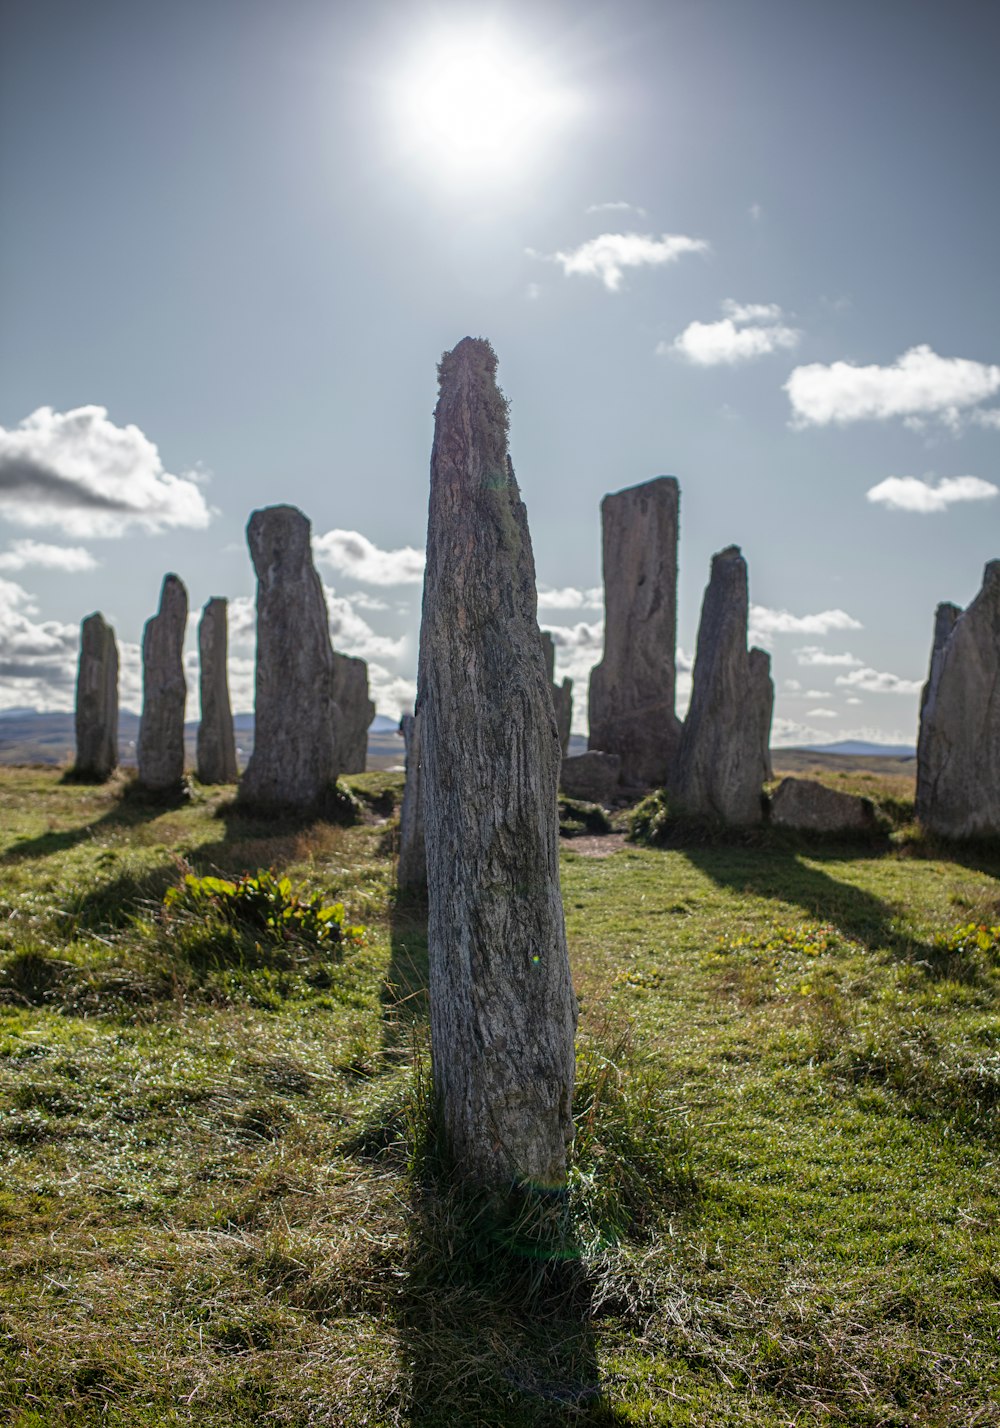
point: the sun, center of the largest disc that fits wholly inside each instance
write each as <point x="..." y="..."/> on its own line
<point x="473" y="101"/>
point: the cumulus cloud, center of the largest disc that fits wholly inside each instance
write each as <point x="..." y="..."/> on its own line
<point x="569" y="598"/>
<point x="618" y="206"/>
<point x="813" y="655"/>
<point x="821" y="714"/>
<point x="793" y="685"/>
<point x="607" y="256"/>
<point x="71" y="558"/>
<point x="354" y="555"/>
<point x="872" y="681"/>
<point x="909" y="493"/>
<point x="38" y="658"/>
<point x="917" y="384"/>
<point x="748" y="330"/>
<point x="988" y="417"/>
<point x="79" y="472"/>
<point x="765" y="622"/>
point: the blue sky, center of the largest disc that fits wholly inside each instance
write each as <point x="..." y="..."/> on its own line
<point x="748" y="243"/>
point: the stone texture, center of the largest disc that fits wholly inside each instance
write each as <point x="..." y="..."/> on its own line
<point x="958" y="751"/>
<point x="354" y="712"/>
<point x="562" y="694"/>
<point x="294" y="757"/>
<point x="631" y="701"/>
<point x="216" y="748"/>
<point x="804" y="804"/>
<point x="503" y="1013"/>
<point x="411" y="871"/>
<point x="723" y="759"/>
<point x="97" y="700"/>
<point x="593" y="776"/>
<point x="160" y="751"/>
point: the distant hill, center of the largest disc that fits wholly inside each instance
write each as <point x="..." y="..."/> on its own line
<point x="858" y="748"/>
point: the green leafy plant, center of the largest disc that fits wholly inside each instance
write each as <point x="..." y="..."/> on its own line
<point x="972" y="937"/>
<point x="266" y="906"/>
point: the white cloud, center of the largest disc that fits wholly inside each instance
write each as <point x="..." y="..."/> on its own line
<point x="821" y="714"/>
<point x="787" y="733"/>
<point x="748" y="330"/>
<point x="393" y="693"/>
<point x="607" y="256"/>
<point x="874" y="682"/>
<point x="813" y="655"/>
<point x="361" y="600"/>
<point x="919" y="383"/>
<point x="79" y="472"/>
<point x="764" y="622"/>
<point x="354" y="555"/>
<point x="38" y="658"/>
<point x="569" y="598"/>
<point x="71" y="558"/>
<point x="619" y="206"/>
<point x="853" y="699"/>
<point x="908" y="493"/>
<point x="988" y="418"/>
<point x="793" y="685"/>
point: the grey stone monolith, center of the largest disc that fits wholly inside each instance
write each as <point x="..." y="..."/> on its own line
<point x="216" y="745"/>
<point x="807" y="805"/>
<point x="96" y="700"/>
<point x="411" y="871"/>
<point x="723" y="760"/>
<point x="562" y="694"/>
<point x="294" y="759"/>
<point x="592" y="776"/>
<point x="503" y="1012"/>
<point x="354" y="712"/>
<point x="632" y="690"/>
<point x="958" y="751"/>
<point x="160" y="747"/>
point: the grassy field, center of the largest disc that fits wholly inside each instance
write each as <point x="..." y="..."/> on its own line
<point x="219" y="1203"/>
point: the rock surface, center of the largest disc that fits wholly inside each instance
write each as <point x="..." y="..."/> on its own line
<point x="97" y="700"/>
<point x="294" y="758"/>
<point x="503" y="1012"/>
<point x="632" y="690"/>
<point x="160" y="747"/>
<point x="562" y="694"/>
<point x="354" y="712"/>
<point x="411" y="871"/>
<point x="216" y="745"/>
<point x="592" y="777"/>
<point x="958" y="751"/>
<point x="805" y="804"/>
<point x="723" y="759"/>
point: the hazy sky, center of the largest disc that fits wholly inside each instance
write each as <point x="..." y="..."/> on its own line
<point x="750" y="243"/>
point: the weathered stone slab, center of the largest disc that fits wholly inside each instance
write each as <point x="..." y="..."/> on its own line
<point x="723" y="759"/>
<point x="294" y="759"/>
<point x="354" y="712"/>
<point x="97" y="700"/>
<point x="632" y="690"/>
<point x="958" y="752"/>
<point x="216" y="744"/>
<point x="503" y="1013"/>
<point x="412" y="869"/>
<point x="160" y="750"/>
<point x="592" y="777"/>
<point x="562" y="694"/>
<point x="806" y="804"/>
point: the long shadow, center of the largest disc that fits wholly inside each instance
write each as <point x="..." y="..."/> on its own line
<point x="126" y="813"/>
<point x="781" y="874"/>
<point x="495" y="1320"/>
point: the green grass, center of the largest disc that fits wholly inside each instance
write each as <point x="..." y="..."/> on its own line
<point x="220" y="1201"/>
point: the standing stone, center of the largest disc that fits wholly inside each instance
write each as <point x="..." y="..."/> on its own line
<point x="807" y="805"/>
<point x="724" y="757"/>
<point x="97" y="700"/>
<point x="632" y="689"/>
<point x="354" y="712"/>
<point x="216" y="739"/>
<point x="160" y="752"/>
<point x="294" y="755"/>
<point x="412" y="869"/>
<point x="503" y="1012"/>
<point x="562" y="694"/>
<point x="958" y="752"/>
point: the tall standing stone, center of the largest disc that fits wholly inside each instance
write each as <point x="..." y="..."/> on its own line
<point x="216" y="738"/>
<point x="503" y="1013"/>
<point x="411" y="871"/>
<point x="958" y="752"/>
<point x="562" y="694"/>
<point x="294" y="756"/>
<point x="354" y="712"/>
<point x="632" y="690"/>
<point x="160" y="753"/>
<point x="724" y="757"/>
<point x="97" y="700"/>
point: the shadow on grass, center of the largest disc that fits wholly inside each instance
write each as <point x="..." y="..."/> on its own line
<point x="124" y="814"/>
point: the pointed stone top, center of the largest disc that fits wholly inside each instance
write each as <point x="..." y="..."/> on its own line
<point x="991" y="572"/>
<point x="470" y="434"/>
<point x="731" y="552"/>
<point x="173" y="592"/>
<point x="650" y="486"/>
